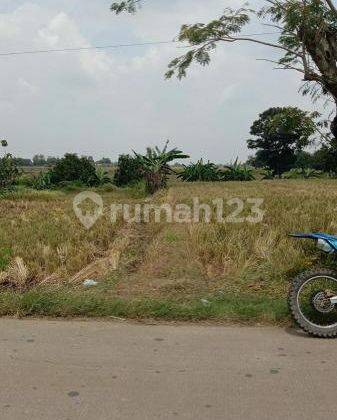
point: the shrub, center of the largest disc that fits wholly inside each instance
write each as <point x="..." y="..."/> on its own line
<point x="200" y="171"/>
<point x="8" y="171"/>
<point x="24" y="180"/>
<point x="238" y="172"/>
<point x="137" y="189"/>
<point x="70" y="186"/>
<point x="43" y="181"/>
<point x="108" y="188"/>
<point x="128" y="171"/>
<point x="72" y="168"/>
<point x="305" y="173"/>
<point x="267" y="174"/>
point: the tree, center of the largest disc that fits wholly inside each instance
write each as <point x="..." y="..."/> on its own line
<point x="51" y="160"/>
<point x="306" y="32"/>
<point x="8" y="169"/>
<point x="39" y="160"/>
<point x="128" y="171"/>
<point x="104" y="161"/>
<point x="155" y="166"/>
<point x="304" y="160"/>
<point x="89" y="158"/>
<point x="280" y="135"/>
<point x="72" y="168"/>
<point x="325" y="158"/>
<point x="23" y="162"/>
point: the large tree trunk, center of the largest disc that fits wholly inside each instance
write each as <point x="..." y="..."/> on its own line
<point x="334" y="127"/>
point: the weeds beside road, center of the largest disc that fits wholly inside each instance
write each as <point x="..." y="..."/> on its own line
<point x="69" y="303"/>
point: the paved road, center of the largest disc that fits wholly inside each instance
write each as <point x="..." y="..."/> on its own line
<point x="105" y="370"/>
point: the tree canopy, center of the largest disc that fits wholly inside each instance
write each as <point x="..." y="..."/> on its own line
<point x="280" y="134"/>
<point x="306" y="39"/>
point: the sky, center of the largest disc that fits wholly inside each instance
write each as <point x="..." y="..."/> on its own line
<point x="108" y="102"/>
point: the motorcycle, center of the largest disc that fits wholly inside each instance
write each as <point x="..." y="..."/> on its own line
<point x="313" y="294"/>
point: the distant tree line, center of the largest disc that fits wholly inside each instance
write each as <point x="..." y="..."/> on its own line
<point x="41" y="160"/>
<point x="288" y="143"/>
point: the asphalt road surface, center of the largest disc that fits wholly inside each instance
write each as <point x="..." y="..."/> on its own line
<point x="113" y="370"/>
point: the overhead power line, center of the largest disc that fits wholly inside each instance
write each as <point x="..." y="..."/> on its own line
<point x="99" y="47"/>
<point x="105" y="47"/>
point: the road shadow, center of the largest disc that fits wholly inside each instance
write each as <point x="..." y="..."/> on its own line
<point x="297" y="332"/>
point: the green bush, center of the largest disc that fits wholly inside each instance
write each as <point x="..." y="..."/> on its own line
<point x="237" y="172"/>
<point x="267" y="174"/>
<point x="128" y="171"/>
<point x="9" y="171"/>
<point x="24" y="180"/>
<point x="70" y="186"/>
<point x="305" y="173"/>
<point x="42" y="181"/>
<point x="71" y="168"/>
<point x="200" y="171"/>
<point x="137" y="189"/>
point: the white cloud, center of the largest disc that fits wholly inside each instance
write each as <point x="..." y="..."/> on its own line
<point x="62" y="32"/>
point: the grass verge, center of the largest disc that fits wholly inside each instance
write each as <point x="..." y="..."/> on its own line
<point x="65" y="303"/>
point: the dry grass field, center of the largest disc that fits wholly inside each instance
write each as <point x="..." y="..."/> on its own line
<point x="222" y="271"/>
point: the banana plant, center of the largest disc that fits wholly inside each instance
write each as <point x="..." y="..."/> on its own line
<point x="103" y="176"/>
<point x="238" y="172"/>
<point x="8" y="169"/>
<point x="302" y="173"/>
<point x="267" y="174"/>
<point x="200" y="171"/>
<point x="155" y="166"/>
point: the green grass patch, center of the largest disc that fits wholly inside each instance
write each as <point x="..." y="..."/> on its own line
<point x="5" y="257"/>
<point x="65" y="303"/>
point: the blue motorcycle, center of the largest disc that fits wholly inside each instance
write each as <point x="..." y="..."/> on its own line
<point x="313" y="294"/>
